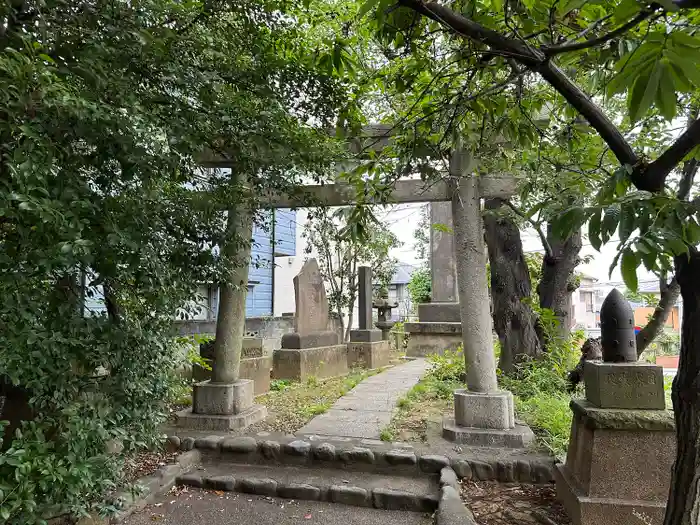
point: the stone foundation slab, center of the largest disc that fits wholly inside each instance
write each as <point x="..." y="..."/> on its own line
<point x="300" y="364"/>
<point x="520" y="436"/>
<point x="188" y="419"/>
<point x="365" y="336"/>
<point x="439" y="313"/>
<point x="296" y="341"/>
<point x="432" y="338"/>
<point x="368" y="355"/>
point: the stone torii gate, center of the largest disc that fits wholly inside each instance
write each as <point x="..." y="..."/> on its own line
<point x="483" y="414"/>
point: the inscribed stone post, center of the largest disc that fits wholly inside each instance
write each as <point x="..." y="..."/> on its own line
<point x="366" y="333"/>
<point x="364" y="281"/>
<point x="443" y="271"/>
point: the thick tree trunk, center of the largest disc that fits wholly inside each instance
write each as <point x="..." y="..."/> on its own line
<point x="683" y="506"/>
<point x="557" y="281"/>
<point x="669" y="296"/>
<point x="514" y="320"/>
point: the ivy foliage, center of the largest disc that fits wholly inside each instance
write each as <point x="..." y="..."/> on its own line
<point x="106" y="110"/>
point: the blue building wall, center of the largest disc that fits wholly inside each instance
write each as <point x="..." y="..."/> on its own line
<point x="261" y="272"/>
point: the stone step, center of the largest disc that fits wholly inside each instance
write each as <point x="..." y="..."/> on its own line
<point x="372" y="456"/>
<point x="362" y="489"/>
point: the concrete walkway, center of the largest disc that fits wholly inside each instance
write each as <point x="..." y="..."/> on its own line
<point x="367" y="408"/>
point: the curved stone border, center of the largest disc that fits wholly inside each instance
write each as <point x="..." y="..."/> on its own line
<point x="379" y="498"/>
<point x="157" y="484"/>
<point x="369" y="458"/>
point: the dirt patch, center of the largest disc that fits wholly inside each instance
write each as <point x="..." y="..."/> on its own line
<point x="146" y="463"/>
<point x="513" y="503"/>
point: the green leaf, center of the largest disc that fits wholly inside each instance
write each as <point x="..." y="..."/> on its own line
<point x="666" y="94"/>
<point x="570" y="5"/>
<point x="627" y="221"/>
<point x="643" y="92"/>
<point x="685" y="64"/>
<point x="684" y="39"/>
<point x="568" y="222"/>
<point x="610" y="222"/>
<point x="594" y="230"/>
<point x="366" y="7"/>
<point x="628" y="267"/>
<point x="625" y="10"/>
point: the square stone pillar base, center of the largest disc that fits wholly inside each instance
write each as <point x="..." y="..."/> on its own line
<point x="618" y="465"/>
<point x="365" y="335"/>
<point x="222" y="406"/>
<point x="485" y="419"/>
<point x="368" y="355"/>
<point x="300" y="364"/>
<point x="432" y="338"/>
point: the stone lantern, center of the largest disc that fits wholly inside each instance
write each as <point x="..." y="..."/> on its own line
<point x="383" y="306"/>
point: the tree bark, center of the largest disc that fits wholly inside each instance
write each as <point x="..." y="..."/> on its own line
<point x="557" y="280"/>
<point x="669" y="296"/>
<point x="683" y="506"/>
<point x="230" y="322"/>
<point x="514" y="320"/>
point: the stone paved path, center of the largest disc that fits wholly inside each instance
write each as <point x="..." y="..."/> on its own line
<point x="367" y="408"/>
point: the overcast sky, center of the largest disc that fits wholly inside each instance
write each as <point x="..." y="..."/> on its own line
<point x="403" y="220"/>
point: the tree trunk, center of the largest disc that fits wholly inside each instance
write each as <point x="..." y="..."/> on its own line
<point x="683" y="506"/>
<point x="557" y="281"/>
<point x="514" y="320"/>
<point x="230" y="321"/>
<point x="669" y="296"/>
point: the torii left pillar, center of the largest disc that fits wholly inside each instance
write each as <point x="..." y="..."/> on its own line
<point x="483" y="413"/>
<point x="226" y="402"/>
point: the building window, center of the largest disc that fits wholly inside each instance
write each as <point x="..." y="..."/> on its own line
<point x="588" y="301"/>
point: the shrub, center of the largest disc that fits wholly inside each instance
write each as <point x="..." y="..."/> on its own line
<point x="450" y="366"/>
<point x="550" y="417"/>
<point x="419" y="286"/>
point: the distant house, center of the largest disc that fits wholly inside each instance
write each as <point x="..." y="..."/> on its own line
<point x="398" y="292"/>
<point x="586" y="302"/>
<point x="643" y="310"/>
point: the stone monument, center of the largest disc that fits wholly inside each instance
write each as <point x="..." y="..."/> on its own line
<point x="438" y="327"/>
<point x="366" y="348"/>
<point x="384" y="307"/>
<point x="622" y="447"/>
<point x="312" y="349"/>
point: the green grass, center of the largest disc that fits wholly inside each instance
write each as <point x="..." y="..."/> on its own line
<point x="292" y="404"/>
<point x="422" y="405"/>
<point x="549" y="416"/>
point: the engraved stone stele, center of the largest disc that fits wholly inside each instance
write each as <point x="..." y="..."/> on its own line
<point x="311" y="315"/>
<point x="622" y="441"/>
<point x="312" y="349"/>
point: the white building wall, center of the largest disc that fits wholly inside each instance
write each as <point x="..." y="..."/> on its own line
<point x="286" y="268"/>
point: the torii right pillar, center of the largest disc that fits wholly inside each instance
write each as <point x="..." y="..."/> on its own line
<point x="483" y="413"/>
